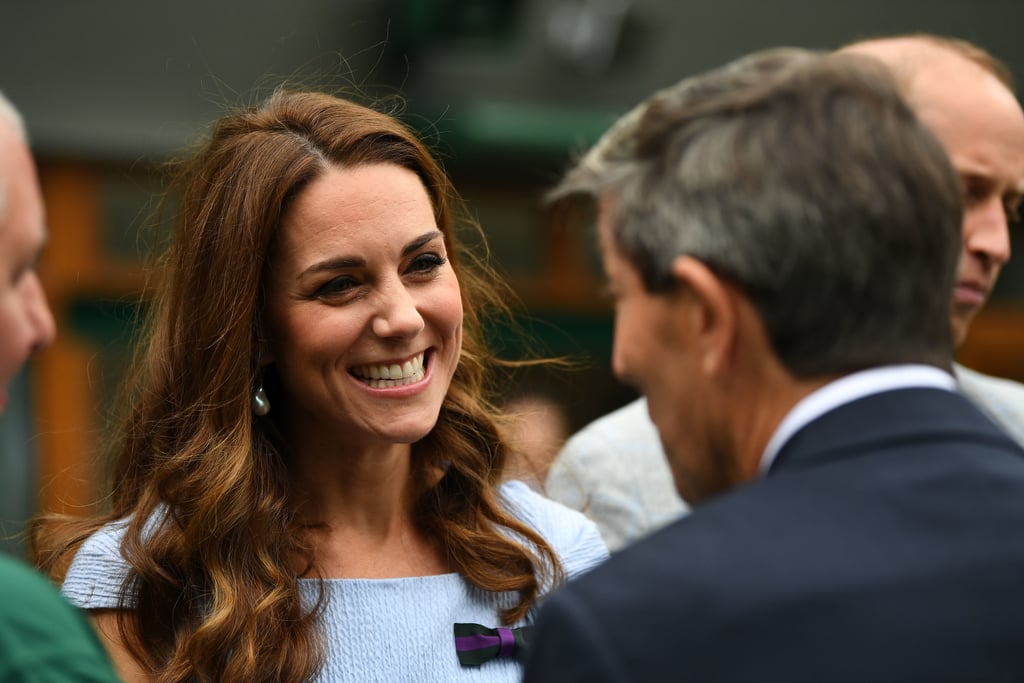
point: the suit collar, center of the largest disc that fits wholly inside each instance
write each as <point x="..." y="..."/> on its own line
<point x="847" y="389"/>
<point x="868" y="423"/>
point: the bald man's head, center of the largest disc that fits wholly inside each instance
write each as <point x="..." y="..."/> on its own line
<point x="25" y="320"/>
<point x="9" y="115"/>
<point x="11" y="124"/>
<point x="964" y="96"/>
<point x="910" y="56"/>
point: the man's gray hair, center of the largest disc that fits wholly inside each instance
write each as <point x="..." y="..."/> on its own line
<point x="9" y="115"/>
<point x="805" y="180"/>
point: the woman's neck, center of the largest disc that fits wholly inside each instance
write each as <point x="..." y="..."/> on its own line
<point x="357" y="508"/>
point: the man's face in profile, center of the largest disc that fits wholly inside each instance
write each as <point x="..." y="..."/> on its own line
<point x="652" y="352"/>
<point x="980" y="125"/>
<point x="25" y="319"/>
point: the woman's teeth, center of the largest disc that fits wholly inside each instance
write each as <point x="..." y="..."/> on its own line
<point x="394" y="375"/>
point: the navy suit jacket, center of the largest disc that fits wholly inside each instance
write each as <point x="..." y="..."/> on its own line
<point x="886" y="543"/>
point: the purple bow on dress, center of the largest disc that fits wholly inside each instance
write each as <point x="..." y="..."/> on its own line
<point x="476" y="644"/>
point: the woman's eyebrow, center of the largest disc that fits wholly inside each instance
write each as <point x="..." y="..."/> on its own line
<point x="343" y="262"/>
<point x="420" y="241"/>
<point x="339" y="263"/>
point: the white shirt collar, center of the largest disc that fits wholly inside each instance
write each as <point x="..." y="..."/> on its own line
<point x="847" y="389"/>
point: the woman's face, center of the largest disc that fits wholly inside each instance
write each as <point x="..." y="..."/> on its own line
<point x="363" y="309"/>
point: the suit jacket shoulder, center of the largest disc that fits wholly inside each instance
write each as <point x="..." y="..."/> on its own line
<point x="884" y="544"/>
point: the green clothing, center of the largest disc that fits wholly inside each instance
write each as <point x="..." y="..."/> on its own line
<point x="43" y="639"/>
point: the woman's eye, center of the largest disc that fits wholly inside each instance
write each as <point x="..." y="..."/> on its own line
<point x="427" y="263"/>
<point x="338" y="285"/>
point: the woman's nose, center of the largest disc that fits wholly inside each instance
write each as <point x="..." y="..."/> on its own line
<point x="398" y="314"/>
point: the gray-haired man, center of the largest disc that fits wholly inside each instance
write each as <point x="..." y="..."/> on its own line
<point x="781" y="238"/>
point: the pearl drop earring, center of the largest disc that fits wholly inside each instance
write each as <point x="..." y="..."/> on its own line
<point x="260" y="402"/>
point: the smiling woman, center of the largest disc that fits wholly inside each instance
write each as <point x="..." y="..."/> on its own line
<point x="308" y="476"/>
<point x="357" y="289"/>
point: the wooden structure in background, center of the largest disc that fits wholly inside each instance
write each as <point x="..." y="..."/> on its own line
<point x="995" y="344"/>
<point x="78" y="264"/>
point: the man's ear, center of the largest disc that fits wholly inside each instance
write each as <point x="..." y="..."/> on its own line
<point x="713" y="320"/>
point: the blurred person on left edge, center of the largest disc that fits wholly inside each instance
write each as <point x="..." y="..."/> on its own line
<point x="43" y="639"/>
<point x="26" y="323"/>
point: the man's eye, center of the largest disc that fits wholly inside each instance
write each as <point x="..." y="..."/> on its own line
<point x="426" y="263"/>
<point x="974" y="193"/>
<point x="1012" y="210"/>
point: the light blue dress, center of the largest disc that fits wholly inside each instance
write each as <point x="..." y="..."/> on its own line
<point x="386" y="630"/>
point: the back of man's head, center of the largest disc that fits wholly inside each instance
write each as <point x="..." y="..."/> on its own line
<point x="805" y="180"/>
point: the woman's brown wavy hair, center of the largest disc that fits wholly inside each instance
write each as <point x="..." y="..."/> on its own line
<point x="213" y="540"/>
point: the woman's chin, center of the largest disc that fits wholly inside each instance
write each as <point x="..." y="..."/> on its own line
<point x="410" y="433"/>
